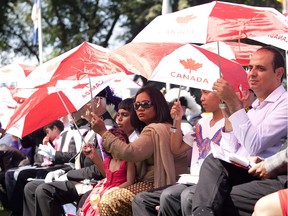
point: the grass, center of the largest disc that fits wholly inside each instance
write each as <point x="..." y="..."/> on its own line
<point x="5" y="212"/>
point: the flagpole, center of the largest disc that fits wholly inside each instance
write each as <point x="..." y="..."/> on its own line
<point x="40" y="45"/>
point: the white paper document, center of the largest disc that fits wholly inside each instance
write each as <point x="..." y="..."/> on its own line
<point x="230" y="157"/>
<point x="188" y="179"/>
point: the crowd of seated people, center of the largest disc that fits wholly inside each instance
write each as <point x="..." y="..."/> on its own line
<point x="253" y="127"/>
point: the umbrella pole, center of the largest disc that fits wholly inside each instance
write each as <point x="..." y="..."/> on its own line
<point x="173" y="128"/>
<point x="219" y="60"/>
<point x="77" y="128"/>
<point x="222" y="105"/>
<point x="91" y="94"/>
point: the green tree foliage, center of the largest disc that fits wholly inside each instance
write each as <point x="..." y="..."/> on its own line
<point x="67" y="23"/>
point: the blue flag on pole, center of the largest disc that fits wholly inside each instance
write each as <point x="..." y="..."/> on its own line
<point x="35" y="17"/>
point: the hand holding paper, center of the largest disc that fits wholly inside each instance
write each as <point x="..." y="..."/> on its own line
<point x="241" y="161"/>
<point x="47" y="151"/>
<point x="57" y="175"/>
<point x="230" y="157"/>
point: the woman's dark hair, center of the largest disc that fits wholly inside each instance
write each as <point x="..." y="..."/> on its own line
<point x="57" y="123"/>
<point x="128" y="105"/>
<point x="160" y="105"/>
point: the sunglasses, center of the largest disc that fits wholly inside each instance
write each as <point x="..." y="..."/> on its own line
<point x="144" y="104"/>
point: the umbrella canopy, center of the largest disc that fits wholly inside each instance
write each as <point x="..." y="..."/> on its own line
<point x="48" y="104"/>
<point x="15" y="72"/>
<point x="21" y="94"/>
<point x="180" y="64"/>
<point x="82" y="61"/>
<point x="7" y="106"/>
<point x="239" y="52"/>
<point x="215" y="21"/>
<point x="6" y="98"/>
<point x="123" y="82"/>
<point x="277" y="40"/>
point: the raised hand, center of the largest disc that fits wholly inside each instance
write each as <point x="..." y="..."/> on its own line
<point x="47" y="151"/>
<point x="97" y="124"/>
<point x="176" y="111"/>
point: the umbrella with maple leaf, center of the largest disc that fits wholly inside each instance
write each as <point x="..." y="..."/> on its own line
<point x="47" y="104"/>
<point x="15" y="72"/>
<point x="83" y="61"/>
<point x="214" y="21"/>
<point x="277" y="40"/>
<point x="180" y="64"/>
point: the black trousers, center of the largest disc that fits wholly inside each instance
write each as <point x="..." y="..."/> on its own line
<point x="176" y="200"/>
<point x="46" y="199"/>
<point x="144" y="203"/>
<point x="242" y="198"/>
<point x="18" y="190"/>
<point x="224" y="188"/>
<point x="173" y="200"/>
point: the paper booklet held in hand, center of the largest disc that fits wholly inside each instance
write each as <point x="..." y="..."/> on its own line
<point x="193" y="177"/>
<point x="230" y="157"/>
<point x="188" y="179"/>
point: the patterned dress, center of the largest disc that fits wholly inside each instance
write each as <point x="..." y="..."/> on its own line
<point x="113" y="179"/>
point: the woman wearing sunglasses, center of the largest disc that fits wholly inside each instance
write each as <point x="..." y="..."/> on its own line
<point x="156" y="166"/>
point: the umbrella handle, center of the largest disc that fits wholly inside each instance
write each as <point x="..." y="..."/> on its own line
<point x="173" y="128"/>
<point x="222" y="104"/>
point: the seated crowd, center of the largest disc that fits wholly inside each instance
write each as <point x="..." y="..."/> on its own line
<point x="141" y="162"/>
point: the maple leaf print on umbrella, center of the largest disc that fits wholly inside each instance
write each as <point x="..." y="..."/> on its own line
<point x="180" y="64"/>
<point x="214" y="21"/>
<point x="190" y="64"/>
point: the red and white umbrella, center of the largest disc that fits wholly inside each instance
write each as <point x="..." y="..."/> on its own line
<point x="15" y="72"/>
<point x="180" y="64"/>
<point x="7" y="106"/>
<point x="239" y="52"/>
<point x="215" y="21"/>
<point x="21" y="94"/>
<point x="13" y="75"/>
<point x="48" y="104"/>
<point x="85" y="62"/>
<point x="82" y="61"/>
<point x="277" y="40"/>
<point x="123" y="82"/>
<point x="122" y="85"/>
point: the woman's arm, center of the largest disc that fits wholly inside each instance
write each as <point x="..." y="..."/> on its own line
<point x="177" y="144"/>
<point x="92" y="154"/>
<point x="139" y="150"/>
<point x="131" y="174"/>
